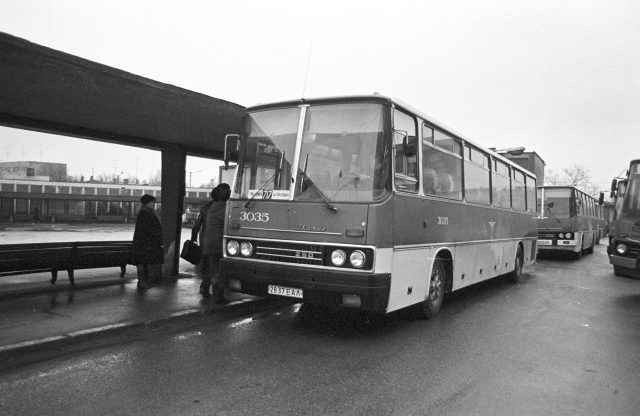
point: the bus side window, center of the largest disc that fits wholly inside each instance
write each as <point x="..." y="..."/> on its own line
<point x="441" y="164"/>
<point x="406" y="152"/>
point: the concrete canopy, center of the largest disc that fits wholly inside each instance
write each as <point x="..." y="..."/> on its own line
<point x="46" y="90"/>
<point x="49" y="91"/>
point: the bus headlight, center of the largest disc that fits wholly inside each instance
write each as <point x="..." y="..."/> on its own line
<point x="357" y="259"/>
<point x="246" y="249"/>
<point x="621" y="248"/>
<point x="233" y="247"/>
<point x="568" y="235"/>
<point x="338" y="257"/>
<point x="560" y="235"/>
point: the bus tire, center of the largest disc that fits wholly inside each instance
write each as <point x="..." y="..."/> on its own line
<point x="431" y="305"/>
<point x="516" y="274"/>
<point x="578" y="255"/>
<point x="590" y="249"/>
<point x="617" y="271"/>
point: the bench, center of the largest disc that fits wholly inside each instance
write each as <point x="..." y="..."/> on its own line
<point x="111" y="218"/>
<point x="24" y="217"/>
<point x="67" y="218"/>
<point x="69" y="256"/>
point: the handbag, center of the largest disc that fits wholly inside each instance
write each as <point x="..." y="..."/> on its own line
<point x="191" y="252"/>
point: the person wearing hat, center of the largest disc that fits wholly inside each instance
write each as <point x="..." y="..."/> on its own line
<point x="148" y="254"/>
<point x="199" y="229"/>
<point x="212" y="247"/>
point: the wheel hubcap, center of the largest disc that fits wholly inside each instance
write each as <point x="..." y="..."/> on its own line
<point x="434" y="287"/>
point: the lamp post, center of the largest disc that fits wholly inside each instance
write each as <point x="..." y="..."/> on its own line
<point x="195" y="171"/>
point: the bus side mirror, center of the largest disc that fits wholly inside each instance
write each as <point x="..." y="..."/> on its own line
<point x="409" y="144"/>
<point x="601" y="198"/>
<point x="231" y="145"/>
<point x="614" y="187"/>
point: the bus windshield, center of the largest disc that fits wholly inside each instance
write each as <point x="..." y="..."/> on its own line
<point x="556" y="203"/>
<point x="631" y="202"/>
<point x="343" y="156"/>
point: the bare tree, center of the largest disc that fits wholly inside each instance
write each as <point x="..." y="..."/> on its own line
<point x="155" y="179"/>
<point x="577" y="175"/>
<point x="574" y="175"/>
<point x="552" y="178"/>
<point x="104" y="177"/>
<point x="57" y="172"/>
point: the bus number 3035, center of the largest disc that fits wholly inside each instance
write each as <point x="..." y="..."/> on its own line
<point x="254" y="216"/>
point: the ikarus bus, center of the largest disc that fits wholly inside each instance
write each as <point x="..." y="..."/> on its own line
<point x="624" y="237"/>
<point x="365" y="202"/>
<point x="569" y="220"/>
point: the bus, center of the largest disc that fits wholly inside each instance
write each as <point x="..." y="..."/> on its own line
<point x="568" y="220"/>
<point x="624" y="238"/>
<point x="368" y="203"/>
<point x="608" y="209"/>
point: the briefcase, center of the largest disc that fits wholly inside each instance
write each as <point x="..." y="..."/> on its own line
<point x="191" y="252"/>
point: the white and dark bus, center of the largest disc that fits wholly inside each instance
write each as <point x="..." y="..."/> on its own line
<point x="624" y="236"/>
<point x="365" y="202"/>
<point x="570" y="220"/>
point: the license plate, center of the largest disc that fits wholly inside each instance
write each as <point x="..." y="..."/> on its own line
<point x="544" y="242"/>
<point x="285" y="291"/>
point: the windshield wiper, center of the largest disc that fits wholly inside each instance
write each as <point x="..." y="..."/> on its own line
<point x="278" y="170"/>
<point x="248" y="203"/>
<point x="356" y="179"/>
<point x="315" y="187"/>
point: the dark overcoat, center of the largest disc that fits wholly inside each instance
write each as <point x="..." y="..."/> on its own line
<point x="214" y="228"/>
<point x="147" y="239"/>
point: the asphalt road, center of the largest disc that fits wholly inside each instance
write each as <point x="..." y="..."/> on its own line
<point x="565" y="342"/>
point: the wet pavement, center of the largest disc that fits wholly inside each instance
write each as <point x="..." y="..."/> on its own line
<point x="37" y="314"/>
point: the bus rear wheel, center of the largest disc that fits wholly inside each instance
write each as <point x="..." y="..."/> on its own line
<point x="431" y="305"/>
<point x="590" y="249"/>
<point x="516" y="275"/>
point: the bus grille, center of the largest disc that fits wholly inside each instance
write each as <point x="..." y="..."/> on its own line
<point x="547" y="235"/>
<point x="289" y="252"/>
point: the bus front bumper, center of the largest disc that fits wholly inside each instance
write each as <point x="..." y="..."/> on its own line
<point x="626" y="262"/>
<point x="554" y="244"/>
<point x="335" y="287"/>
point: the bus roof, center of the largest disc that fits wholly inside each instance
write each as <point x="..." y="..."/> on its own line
<point x="385" y="100"/>
<point x="566" y="186"/>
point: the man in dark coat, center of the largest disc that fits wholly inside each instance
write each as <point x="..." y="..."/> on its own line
<point x="148" y="254"/>
<point x="212" y="249"/>
<point x="199" y="229"/>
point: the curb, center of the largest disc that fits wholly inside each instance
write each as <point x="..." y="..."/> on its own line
<point x="44" y="286"/>
<point x="36" y="289"/>
<point x="9" y="352"/>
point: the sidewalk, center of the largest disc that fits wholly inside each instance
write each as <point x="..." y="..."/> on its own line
<point x="35" y="314"/>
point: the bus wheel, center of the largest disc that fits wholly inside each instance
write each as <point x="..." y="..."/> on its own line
<point x="590" y="249"/>
<point x="617" y="271"/>
<point x="431" y="305"/>
<point x="516" y="275"/>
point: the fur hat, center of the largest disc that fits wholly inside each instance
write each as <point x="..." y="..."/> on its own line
<point x="146" y="198"/>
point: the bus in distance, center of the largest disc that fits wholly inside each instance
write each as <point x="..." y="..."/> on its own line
<point x="365" y="202"/>
<point x="568" y="220"/>
<point x="624" y="237"/>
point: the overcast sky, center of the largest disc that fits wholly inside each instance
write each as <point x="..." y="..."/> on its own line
<point x="559" y="77"/>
